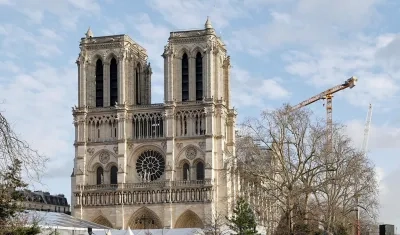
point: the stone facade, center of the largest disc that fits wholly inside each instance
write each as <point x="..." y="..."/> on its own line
<point x="147" y="165"/>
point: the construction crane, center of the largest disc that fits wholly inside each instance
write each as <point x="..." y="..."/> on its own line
<point x="364" y="149"/>
<point x="328" y="95"/>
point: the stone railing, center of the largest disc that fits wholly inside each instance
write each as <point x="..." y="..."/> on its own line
<point x="145" y="193"/>
<point x="155" y="184"/>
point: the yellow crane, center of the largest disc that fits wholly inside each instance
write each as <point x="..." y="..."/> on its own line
<point x="328" y="95"/>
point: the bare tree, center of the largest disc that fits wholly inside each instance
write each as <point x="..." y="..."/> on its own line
<point x="215" y="224"/>
<point x="285" y="158"/>
<point x="17" y="161"/>
<point x="12" y="147"/>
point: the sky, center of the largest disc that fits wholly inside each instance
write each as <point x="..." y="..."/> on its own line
<point x="282" y="51"/>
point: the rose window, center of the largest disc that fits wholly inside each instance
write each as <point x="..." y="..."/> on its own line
<point x="150" y="165"/>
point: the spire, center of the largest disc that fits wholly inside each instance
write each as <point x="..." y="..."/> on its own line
<point x="208" y="23"/>
<point x="89" y="33"/>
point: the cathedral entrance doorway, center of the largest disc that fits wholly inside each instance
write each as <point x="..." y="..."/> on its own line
<point x="189" y="219"/>
<point x="144" y="218"/>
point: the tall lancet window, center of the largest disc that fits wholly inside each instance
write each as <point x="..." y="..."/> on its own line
<point x="114" y="175"/>
<point x="99" y="175"/>
<point x="199" y="76"/>
<point x="200" y="171"/>
<point x="137" y="80"/>
<point x="99" y="83"/>
<point x="185" y="77"/>
<point x="113" y="82"/>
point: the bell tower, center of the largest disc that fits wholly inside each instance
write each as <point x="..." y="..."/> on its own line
<point x="112" y="70"/>
<point x="197" y="93"/>
<point x="196" y="66"/>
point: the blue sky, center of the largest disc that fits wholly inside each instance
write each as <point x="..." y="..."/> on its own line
<point x="281" y="51"/>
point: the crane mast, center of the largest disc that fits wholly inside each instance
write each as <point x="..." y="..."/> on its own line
<point x="328" y="95"/>
<point x="364" y="149"/>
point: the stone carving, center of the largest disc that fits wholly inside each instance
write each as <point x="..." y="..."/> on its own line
<point x="179" y="145"/>
<point x="164" y="145"/>
<point x="90" y="151"/>
<point x="208" y="166"/>
<point x="202" y="145"/>
<point x="104" y="157"/>
<point x="191" y="153"/>
<point x="130" y="146"/>
<point x="115" y="149"/>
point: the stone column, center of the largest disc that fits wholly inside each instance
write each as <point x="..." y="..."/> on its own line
<point x="209" y="84"/>
<point x="121" y="78"/>
<point x="192" y="78"/>
<point x="177" y="79"/>
<point x="106" y="84"/>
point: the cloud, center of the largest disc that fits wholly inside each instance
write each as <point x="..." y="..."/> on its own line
<point x="37" y="103"/>
<point x="390" y="211"/>
<point x="306" y="23"/>
<point x="194" y="12"/>
<point x="67" y="12"/>
<point x="332" y="65"/>
<point x="248" y="90"/>
<point x="44" y="42"/>
<point x="380" y="136"/>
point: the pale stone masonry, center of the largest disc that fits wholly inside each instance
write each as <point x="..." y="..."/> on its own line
<point x="147" y="165"/>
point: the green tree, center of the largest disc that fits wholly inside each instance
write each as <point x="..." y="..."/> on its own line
<point x="10" y="194"/>
<point x="243" y="221"/>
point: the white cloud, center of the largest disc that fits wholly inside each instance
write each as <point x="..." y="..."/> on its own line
<point x="390" y="211"/>
<point x="5" y="2"/>
<point x="9" y="66"/>
<point x="248" y="90"/>
<point x="43" y="44"/>
<point x="332" y="65"/>
<point x="67" y="12"/>
<point x="307" y="23"/>
<point x="195" y="12"/>
<point x="38" y="103"/>
<point x="380" y="136"/>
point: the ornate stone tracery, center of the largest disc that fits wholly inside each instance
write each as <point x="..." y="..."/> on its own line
<point x="148" y="125"/>
<point x="102" y="128"/>
<point x="104" y="157"/>
<point x="190" y="122"/>
<point x="191" y="153"/>
<point x="150" y="165"/>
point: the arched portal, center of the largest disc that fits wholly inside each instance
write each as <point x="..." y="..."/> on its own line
<point x="189" y="219"/>
<point x="145" y="218"/>
<point x="103" y="221"/>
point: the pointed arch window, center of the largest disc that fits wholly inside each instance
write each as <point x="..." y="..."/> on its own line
<point x="137" y="80"/>
<point x="199" y="76"/>
<point x="99" y="175"/>
<point x="185" y="77"/>
<point x="200" y="171"/>
<point x="113" y="82"/>
<point x="185" y="171"/>
<point x="114" y="175"/>
<point x="99" y="83"/>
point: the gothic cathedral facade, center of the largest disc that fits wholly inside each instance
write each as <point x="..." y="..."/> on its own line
<point x="147" y="165"/>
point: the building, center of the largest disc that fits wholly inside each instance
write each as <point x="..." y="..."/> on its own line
<point x="44" y="201"/>
<point x="147" y="165"/>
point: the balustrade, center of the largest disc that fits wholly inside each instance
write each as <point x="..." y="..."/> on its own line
<point x="150" y="196"/>
<point x="143" y="193"/>
<point x="154" y="184"/>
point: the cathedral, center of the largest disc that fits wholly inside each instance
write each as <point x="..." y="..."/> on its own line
<point x="143" y="165"/>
